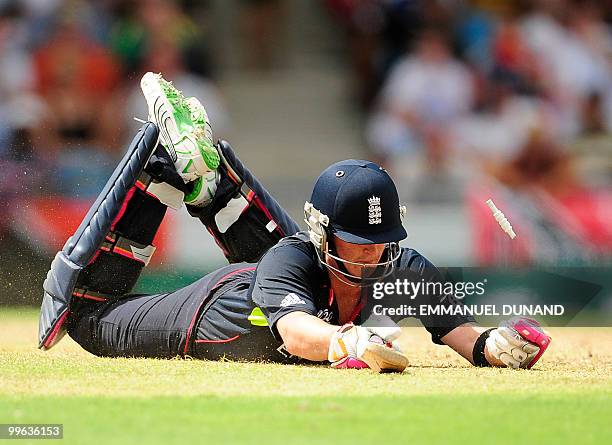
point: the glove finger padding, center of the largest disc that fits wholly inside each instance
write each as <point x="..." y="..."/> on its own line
<point x="510" y="334"/>
<point x="383" y="326"/>
<point x="518" y="342"/>
<point x="531" y="349"/>
<point x="500" y="349"/>
<point x="515" y="344"/>
<point x="367" y="345"/>
<point x="535" y="336"/>
<point x="388" y="334"/>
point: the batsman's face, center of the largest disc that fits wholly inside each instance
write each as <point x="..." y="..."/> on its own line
<point x="358" y="253"/>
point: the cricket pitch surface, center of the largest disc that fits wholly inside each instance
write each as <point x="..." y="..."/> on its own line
<point x="439" y="399"/>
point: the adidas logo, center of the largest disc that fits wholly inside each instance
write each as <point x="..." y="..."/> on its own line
<point x="291" y="300"/>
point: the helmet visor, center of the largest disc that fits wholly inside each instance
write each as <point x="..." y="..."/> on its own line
<point x="369" y="273"/>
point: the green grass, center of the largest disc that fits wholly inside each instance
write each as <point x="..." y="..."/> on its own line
<point x="438" y="400"/>
<point x="432" y="419"/>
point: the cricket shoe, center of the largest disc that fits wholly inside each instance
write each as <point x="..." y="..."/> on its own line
<point x="185" y="133"/>
<point x="204" y="189"/>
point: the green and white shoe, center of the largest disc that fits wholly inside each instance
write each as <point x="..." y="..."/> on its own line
<point x="184" y="127"/>
<point x="185" y="133"/>
<point x="204" y="189"/>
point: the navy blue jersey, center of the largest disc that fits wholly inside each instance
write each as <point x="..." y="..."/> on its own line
<point x="233" y="311"/>
<point x="290" y="277"/>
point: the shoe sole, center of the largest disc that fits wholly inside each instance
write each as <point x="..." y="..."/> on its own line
<point x="162" y="111"/>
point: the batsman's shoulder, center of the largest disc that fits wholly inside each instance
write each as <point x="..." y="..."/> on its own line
<point x="298" y="242"/>
<point x="291" y="250"/>
<point x="413" y="261"/>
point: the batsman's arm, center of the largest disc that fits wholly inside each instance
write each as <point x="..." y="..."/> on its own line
<point x="305" y="335"/>
<point x="347" y="346"/>
<point x="463" y="338"/>
<point x="516" y="343"/>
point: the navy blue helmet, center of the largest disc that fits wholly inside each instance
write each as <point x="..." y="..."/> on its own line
<point x="357" y="201"/>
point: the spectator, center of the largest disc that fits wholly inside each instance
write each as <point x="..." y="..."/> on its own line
<point x="379" y="32"/>
<point x="75" y="77"/>
<point x="425" y="92"/>
<point x="262" y="25"/>
<point x="572" y="49"/>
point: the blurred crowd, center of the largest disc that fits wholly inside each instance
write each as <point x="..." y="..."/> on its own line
<point x="479" y="78"/>
<point x="507" y="98"/>
<point x="515" y="92"/>
<point x="69" y="84"/>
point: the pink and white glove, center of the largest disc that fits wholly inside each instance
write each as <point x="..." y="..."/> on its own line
<point x="366" y="347"/>
<point x="518" y="342"/>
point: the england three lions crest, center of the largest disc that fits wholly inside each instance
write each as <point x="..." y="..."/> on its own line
<point x="374" y="210"/>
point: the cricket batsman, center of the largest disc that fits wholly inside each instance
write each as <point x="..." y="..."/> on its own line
<point x="287" y="295"/>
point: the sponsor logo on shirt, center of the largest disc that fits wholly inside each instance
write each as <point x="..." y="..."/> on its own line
<point x="291" y="300"/>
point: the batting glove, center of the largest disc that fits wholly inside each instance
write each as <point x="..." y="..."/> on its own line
<point x="366" y="347"/>
<point x="518" y="343"/>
